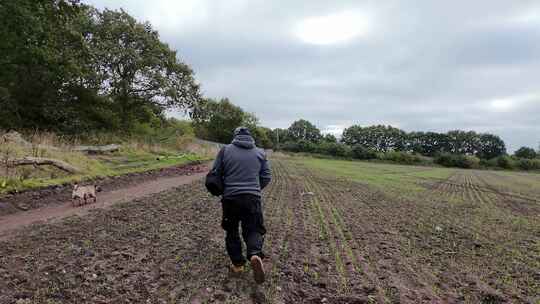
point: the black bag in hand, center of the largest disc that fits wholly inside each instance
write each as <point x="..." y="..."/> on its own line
<point x="214" y="179"/>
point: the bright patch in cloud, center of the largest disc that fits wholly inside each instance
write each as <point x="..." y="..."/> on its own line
<point x="530" y="16"/>
<point x="335" y="28"/>
<point x="502" y="104"/>
<point x="510" y="103"/>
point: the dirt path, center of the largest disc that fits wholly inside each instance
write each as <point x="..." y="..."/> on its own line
<point x="54" y="212"/>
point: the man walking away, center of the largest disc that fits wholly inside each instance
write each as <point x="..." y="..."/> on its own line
<point x="245" y="173"/>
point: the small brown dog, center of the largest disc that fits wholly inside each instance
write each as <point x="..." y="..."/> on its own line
<point x="82" y="194"/>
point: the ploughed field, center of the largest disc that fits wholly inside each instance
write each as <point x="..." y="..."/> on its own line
<point x="338" y="232"/>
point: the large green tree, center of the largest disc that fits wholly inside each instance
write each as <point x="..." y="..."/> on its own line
<point x="41" y="58"/>
<point x="428" y="143"/>
<point x="490" y="146"/>
<point x="71" y="68"/>
<point x="216" y="120"/>
<point x="379" y="138"/>
<point x="262" y="136"/>
<point x="525" y="152"/>
<point x="330" y="138"/>
<point x="135" y="68"/>
<point x="463" y="142"/>
<point x="303" y="130"/>
<point x="279" y="136"/>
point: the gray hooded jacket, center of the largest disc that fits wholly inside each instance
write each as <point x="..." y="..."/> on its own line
<point x="245" y="168"/>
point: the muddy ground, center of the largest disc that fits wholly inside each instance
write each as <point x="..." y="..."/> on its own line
<point x="11" y="203"/>
<point x="330" y="240"/>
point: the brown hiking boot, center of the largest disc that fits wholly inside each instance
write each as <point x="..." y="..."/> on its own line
<point x="237" y="269"/>
<point x="258" y="269"/>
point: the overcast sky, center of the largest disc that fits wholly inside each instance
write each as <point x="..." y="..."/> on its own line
<point x="416" y="65"/>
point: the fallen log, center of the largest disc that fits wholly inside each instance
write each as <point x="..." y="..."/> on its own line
<point x="97" y="149"/>
<point x="38" y="161"/>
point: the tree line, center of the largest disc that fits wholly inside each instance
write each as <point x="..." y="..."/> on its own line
<point x="216" y="119"/>
<point x="457" y="148"/>
<point x="382" y="138"/>
<point x="70" y="68"/>
<point x="386" y="138"/>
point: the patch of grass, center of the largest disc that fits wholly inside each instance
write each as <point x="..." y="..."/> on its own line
<point x="132" y="160"/>
<point x="387" y="177"/>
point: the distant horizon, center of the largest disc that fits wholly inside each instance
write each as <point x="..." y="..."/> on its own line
<point x="432" y="66"/>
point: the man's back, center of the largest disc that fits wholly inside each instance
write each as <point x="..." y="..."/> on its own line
<point x="245" y="168"/>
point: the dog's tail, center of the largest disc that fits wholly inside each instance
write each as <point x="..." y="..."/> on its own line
<point x="75" y="186"/>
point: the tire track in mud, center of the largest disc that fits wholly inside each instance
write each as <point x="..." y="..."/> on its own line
<point x="520" y="184"/>
<point x="487" y="188"/>
<point x="516" y="203"/>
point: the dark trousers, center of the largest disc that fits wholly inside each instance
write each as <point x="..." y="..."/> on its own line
<point x="246" y="210"/>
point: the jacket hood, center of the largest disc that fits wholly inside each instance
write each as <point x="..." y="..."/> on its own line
<point x="244" y="141"/>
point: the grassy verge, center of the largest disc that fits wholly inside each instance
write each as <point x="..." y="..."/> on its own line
<point x="129" y="159"/>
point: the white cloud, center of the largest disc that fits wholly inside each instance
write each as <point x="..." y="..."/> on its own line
<point x="530" y="16"/>
<point x="512" y="103"/>
<point x="334" y="28"/>
<point x="502" y="104"/>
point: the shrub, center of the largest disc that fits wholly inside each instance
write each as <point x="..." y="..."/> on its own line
<point x="529" y="164"/>
<point x="306" y="146"/>
<point x="458" y="160"/>
<point x="525" y="152"/>
<point x="505" y="162"/>
<point x="299" y="146"/>
<point x="361" y="152"/>
<point x="445" y="159"/>
<point x="290" y="146"/>
<point x="486" y="163"/>
<point x="470" y="162"/>
<point x="401" y="157"/>
<point x="334" y="149"/>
